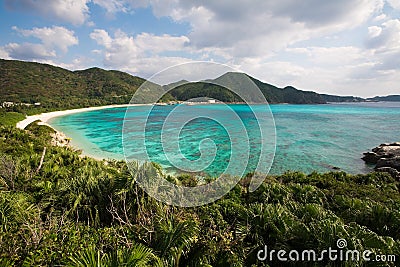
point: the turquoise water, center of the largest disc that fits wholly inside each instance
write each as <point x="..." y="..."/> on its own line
<point x="308" y="137"/>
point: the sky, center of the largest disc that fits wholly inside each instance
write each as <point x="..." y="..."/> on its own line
<point x="341" y="47"/>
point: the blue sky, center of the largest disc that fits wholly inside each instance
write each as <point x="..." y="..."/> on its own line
<point x="344" y="47"/>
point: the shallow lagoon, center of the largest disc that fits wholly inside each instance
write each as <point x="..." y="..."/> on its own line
<point x="309" y="137"/>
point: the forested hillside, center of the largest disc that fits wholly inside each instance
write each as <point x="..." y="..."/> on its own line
<point x="271" y="93"/>
<point x="54" y="87"/>
<point x="58" y="88"/>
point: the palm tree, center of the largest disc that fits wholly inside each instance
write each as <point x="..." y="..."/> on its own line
<point x="138" y="255"/>
<point x="85" y="193"/>
<point x="89" y="257"/>
<point x="173" y="239"/>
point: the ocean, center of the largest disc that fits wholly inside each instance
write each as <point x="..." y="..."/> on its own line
<point x="308" y="137"/>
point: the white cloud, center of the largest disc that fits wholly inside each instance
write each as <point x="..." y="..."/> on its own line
<point x="101" y="37"/>
<point x="157" y="44"/>
<point x="374" y="31"/>
<point x="279" y="73"/>
<point x="308" y="44"/>
<point x="394" y="3"/>
<point x="4" y="54"/>
<point x="53" y="40"/>
<point x="71" y="11"/>
<point x="148" y="66"/>
<point x="112" y="6"/>
<point x="76" y="64"/>
<point x="90" y="24"/>
<point x="340" y="80"/>
<point x="120" y="51"/>
<point x="335" y="56"/>
<point x="256" y="37"/>
<point x="380" y="17"/>
<point x="28" y="51"/>
<point x="262" y="27"/>
<point x="386" y="36"/>
<point x="54" y="37"/>
<point x="335" y="14"/>
<point x="346" y="70"/>
<point x="97" y="51"/>
<point x="241" y="29"/>
<point x="140" y="53"/>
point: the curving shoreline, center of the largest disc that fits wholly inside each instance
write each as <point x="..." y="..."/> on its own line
<point x="320" y="154"/>
<point x="45" y="117"/>
<point x="60" y="138"/>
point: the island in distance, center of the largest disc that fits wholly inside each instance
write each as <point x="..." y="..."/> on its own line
<point x="390" y="98"/>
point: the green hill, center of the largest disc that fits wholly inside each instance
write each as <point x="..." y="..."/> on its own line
<point x="54" y="87"/>
<point x="241" y="81"/>
<point x="58" y="88"/>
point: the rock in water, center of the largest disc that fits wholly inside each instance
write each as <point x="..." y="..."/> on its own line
<point x="386" y="157"/>
<point x="389" y="162"/>
<point x="371" y="157"/>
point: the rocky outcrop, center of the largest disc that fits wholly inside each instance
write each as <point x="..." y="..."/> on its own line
<point x="393" y="172"/>
<point x="371" y="157"/>
<point x="386" y="158"/>
<point x="389" y="162"/>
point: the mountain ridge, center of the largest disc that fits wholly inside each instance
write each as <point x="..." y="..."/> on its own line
<point x="58" y="88"/>
<point x="216" y="88"/>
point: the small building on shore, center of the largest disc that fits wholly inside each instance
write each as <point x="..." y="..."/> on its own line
<point x="7" y="104"/>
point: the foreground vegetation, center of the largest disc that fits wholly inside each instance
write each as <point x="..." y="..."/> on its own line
<point x="10" y="118"/>
<point x="58" y="208"/>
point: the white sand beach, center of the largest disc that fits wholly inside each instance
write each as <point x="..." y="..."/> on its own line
<point x="61" y="139"/>
<point x="45" y="117"/>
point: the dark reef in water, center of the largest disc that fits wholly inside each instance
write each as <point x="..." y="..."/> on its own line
<point x="386" y="158"/>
